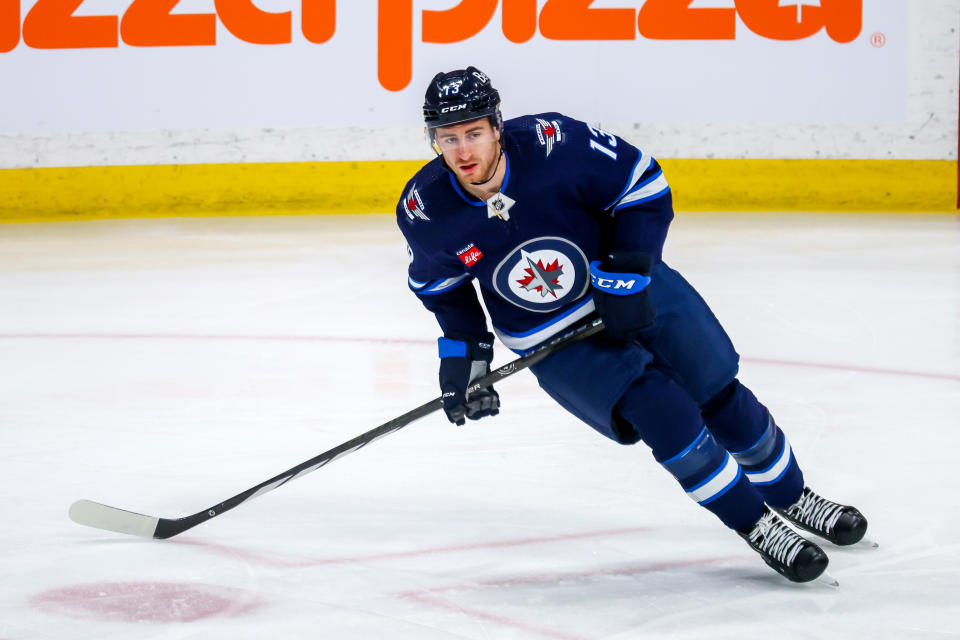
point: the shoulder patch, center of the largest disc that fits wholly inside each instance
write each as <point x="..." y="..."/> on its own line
<point x="413" y="205"/>
<point x="548" y="133"/>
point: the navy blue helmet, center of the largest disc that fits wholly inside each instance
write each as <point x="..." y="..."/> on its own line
<point x="461" y="96"/>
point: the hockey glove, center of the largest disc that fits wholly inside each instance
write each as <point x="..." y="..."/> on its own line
<point x="620" y="293"/>
<point x="462" y="360"/>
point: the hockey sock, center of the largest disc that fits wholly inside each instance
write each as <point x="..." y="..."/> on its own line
<point x="745" y="427"/>
<point x="713" y="478"/>
<point x="670" y="423"/>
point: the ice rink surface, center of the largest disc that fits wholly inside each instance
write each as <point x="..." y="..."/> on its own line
<point x="163" y="366"/>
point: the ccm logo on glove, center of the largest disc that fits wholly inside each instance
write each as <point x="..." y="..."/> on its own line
<point x="621" y="295"/>
<point x="622" y="284"/>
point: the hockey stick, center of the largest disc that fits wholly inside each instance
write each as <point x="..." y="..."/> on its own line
<point x="101" y="516"/>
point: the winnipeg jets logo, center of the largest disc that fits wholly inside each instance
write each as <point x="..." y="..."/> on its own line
<point x="545" y="279"/>
<point x="413" y="205"/>
<point x="548" y="133"/>
<point x="543" y="274"/>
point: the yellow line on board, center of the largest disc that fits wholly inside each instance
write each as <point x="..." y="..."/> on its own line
<point x="88" y="193"/>
<point x="928" y="186"/>
<point x="75" y="193"/>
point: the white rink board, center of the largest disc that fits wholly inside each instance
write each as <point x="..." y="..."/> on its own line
<point x="237" y="85"/>
<point x="239" y="102"/>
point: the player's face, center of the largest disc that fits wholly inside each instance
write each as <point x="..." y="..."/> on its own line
<point x="470" y="149"/>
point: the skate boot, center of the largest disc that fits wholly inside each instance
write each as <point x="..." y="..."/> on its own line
<point x="786" y="551"/>
<point x="840" y="524"/>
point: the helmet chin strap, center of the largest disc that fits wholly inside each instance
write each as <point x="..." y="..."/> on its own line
<point x="478" y="184"/>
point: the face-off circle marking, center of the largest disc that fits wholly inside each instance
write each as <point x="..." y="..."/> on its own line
<point x="542" y="274"/>
<point x="145" y="602"/>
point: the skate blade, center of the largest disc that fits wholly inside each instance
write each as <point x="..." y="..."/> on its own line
<point x="828" y="580"/>
<point x="870" y="543"/>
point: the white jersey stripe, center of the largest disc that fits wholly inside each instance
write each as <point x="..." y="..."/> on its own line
<point x="444" y="285"/>
<point x="522" y="342"/>
<point x="416" y="285"/>
<point x="643" y="163"/>
<point x="650" y="190"/>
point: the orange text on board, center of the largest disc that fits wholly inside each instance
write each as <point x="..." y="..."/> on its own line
<point x="50" y="24"/>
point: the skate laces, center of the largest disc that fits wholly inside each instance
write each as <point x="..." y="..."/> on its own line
<point x="815" y="511"/>
<point x="777" y="540"/>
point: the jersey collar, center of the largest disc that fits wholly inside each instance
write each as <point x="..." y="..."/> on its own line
<point x="469" y="199"/>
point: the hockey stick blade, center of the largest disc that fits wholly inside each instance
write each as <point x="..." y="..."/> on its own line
<point x="94" y="514"/>
<point x="101" y="516"/>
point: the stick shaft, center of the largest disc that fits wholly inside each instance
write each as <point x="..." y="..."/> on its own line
<point x="110" y="518"/>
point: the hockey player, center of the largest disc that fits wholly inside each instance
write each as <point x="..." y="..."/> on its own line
<point x="559" y="222"/>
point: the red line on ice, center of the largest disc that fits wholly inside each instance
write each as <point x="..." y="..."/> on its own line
<point x="489" y="617"/>
<point x="274" y="561"/>
<point x="855" y="368"/>
<point x="427" y="596"/>
<point x="953" y="377"/>
<point x="201" y="337"/>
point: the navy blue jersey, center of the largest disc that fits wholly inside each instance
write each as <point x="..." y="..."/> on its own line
<point x="571" y="194"/>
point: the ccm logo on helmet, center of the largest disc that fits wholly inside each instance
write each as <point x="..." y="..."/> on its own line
<point x="457" y="107"/>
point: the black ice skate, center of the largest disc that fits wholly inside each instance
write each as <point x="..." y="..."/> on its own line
<point x="786" y="551"/>
<point x="840" y="524"/>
